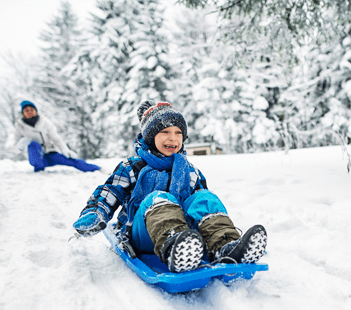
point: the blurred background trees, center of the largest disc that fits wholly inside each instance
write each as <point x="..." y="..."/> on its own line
<point x="247" y="75"/>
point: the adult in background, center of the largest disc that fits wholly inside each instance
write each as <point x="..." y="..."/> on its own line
<point x="45" y="147"/>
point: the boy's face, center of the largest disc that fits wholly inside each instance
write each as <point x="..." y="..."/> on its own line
<point x="169" y="140"/>
<point x="29" y="112"/>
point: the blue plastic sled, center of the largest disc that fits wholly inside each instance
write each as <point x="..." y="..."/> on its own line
<point x="153" y="271"/>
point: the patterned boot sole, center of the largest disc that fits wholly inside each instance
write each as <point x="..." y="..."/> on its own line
<point x="187" y="252"/>
<point x="256" y="246"/>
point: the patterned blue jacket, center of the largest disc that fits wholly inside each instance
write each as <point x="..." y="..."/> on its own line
<point x="117" y="190"/>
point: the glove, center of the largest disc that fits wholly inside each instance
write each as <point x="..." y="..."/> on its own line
<point x="69" y="154"/>
<point x="90" y="223"/>
<point x="23" y="143"/>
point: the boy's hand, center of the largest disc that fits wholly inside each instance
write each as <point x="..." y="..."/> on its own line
<point x="90" y="224"/>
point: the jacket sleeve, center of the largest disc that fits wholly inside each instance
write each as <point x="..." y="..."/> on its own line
<point x="18" y="133"/>
<point x="197" y="179"/>
<point x="115" y="192"/>
<point x="55" y="137"/>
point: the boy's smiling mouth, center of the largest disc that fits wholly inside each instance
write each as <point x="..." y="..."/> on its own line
<point x="169" y="140"/>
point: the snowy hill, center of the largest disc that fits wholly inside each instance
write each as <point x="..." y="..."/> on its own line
<point x="302" y="198"/>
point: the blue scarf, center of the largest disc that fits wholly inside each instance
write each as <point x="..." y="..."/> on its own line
<point x="155" y="175"/>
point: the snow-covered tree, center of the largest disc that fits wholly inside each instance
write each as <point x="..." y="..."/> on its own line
<point x="149" y="71"/>
<point x="286" y="24"/>
<point x="196" y="58"/>
<point x="15" y="86"/>
<point x="60" y="42"/>
<point x="320" y="96"/>
<point x="126" y="64"/>
<point x="223" y="103"/>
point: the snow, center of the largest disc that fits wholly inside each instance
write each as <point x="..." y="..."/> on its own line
<point x="303" y="199"/>
<point x="260" y="103"/>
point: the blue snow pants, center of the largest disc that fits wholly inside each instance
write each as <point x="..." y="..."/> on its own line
<point x="195" y="208"/>
<point x="39" y="160"/>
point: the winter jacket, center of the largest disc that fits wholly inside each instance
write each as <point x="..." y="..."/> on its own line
<point x="118" y="189"/>
<point x="44" y="132"/>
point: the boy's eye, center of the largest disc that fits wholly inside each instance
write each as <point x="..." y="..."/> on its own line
<point x="165" y="131"/>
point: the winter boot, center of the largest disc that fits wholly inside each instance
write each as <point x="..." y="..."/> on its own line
<point x="174" y="243"/>
<point x="246" y="250"/>
<point x="183" y="251"/>
<point x="217" y="229"/>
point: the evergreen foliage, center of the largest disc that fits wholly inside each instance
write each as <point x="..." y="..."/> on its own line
<point x="13" y="89"/>
<point x="286" y="24"/>
<point x="60" y="42"/>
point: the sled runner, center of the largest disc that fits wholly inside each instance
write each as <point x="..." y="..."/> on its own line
<point x="153" y="271"/>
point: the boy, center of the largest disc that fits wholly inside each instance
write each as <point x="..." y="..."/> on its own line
<point x="167" y="208"/>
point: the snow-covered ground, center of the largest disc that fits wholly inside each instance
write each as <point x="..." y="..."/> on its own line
<point x="303" y="198"/>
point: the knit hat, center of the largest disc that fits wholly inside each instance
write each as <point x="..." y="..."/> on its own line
<point x="26" y="103"/>
<point x="156" y="117"/>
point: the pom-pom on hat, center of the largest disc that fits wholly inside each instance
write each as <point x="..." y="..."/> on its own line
<point x="26" y="103"/>
<point x="156" y="117"/>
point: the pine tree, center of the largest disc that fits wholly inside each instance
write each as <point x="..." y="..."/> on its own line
<point x="15" y="86"/>
<point x="126" y="64"/>
<point x="60" y="42"/>
<point x="321" y="96"/>
<point x="149" y="72"/>
<point x="223" y="103"/>
<point x="286" y="24"/>
<point x="197" y="61"/>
